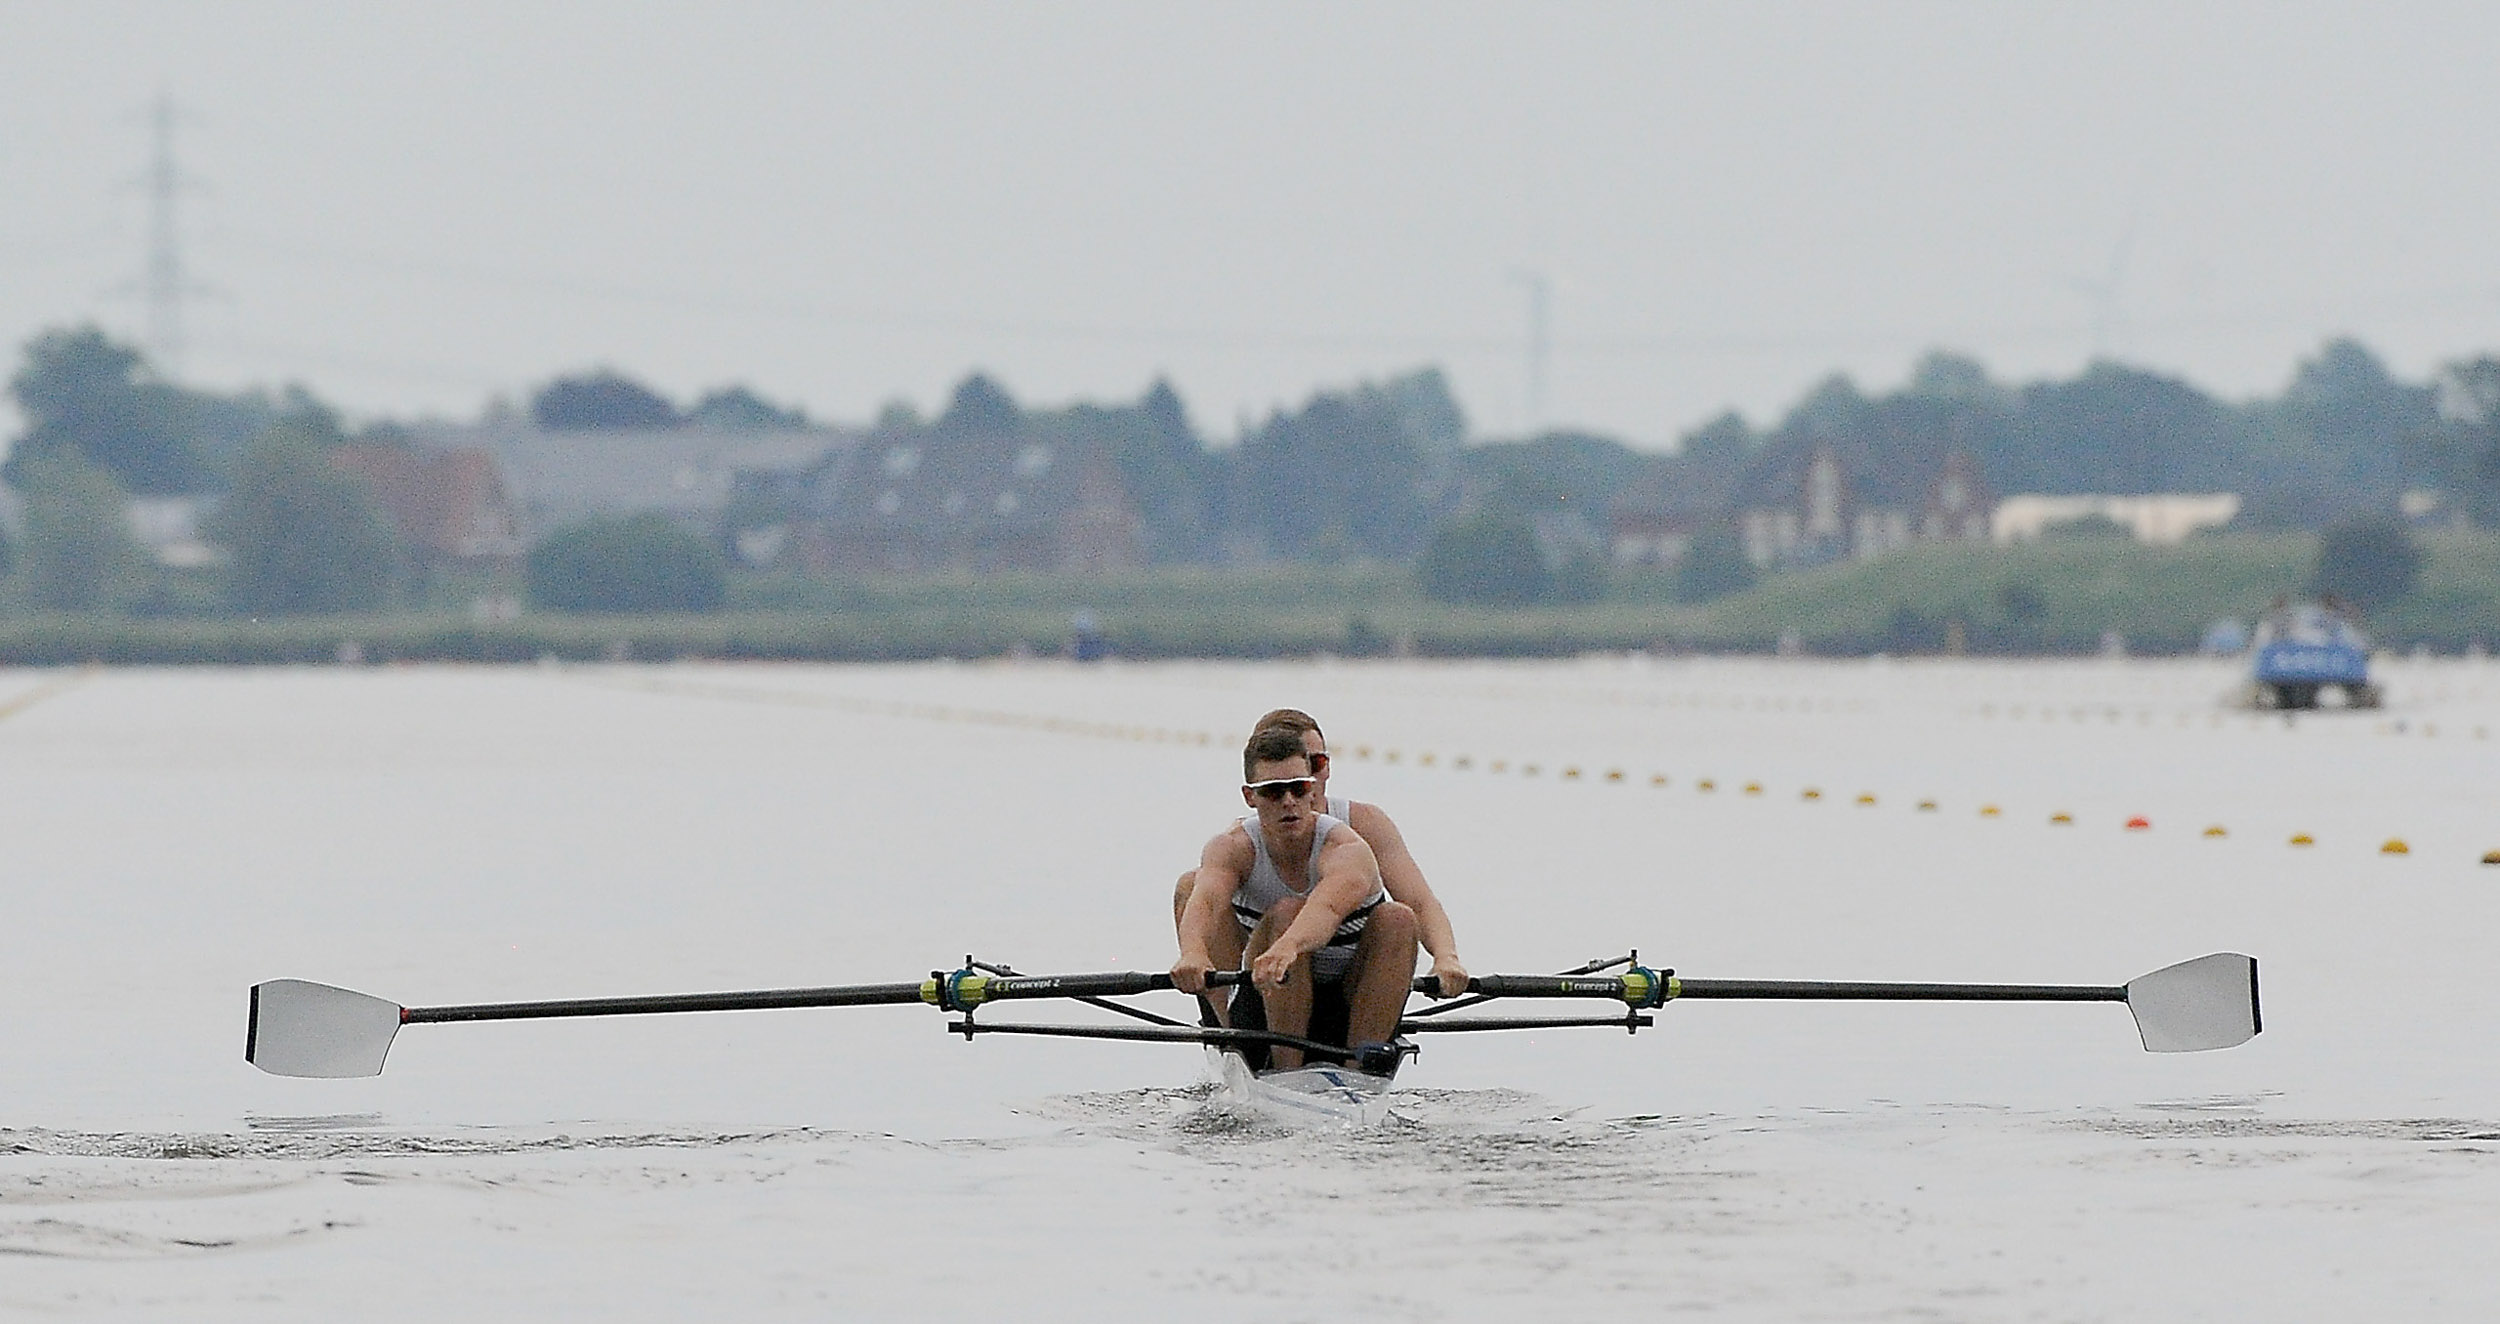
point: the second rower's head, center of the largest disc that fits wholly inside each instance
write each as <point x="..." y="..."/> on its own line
<point x="1279" y="784"/>
<point x="1307" y="727"/>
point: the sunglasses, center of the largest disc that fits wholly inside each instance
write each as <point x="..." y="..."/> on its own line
<point x="1281" y="787"/>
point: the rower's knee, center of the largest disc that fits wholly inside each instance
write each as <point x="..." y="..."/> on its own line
<point x="1273" y="924"/>
<point x="1394" y="921"/>
<point x="1180" y="894"/>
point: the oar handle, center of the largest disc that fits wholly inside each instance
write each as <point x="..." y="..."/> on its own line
<point x="1500" y="986"/>
<point x="1628" y="987"/>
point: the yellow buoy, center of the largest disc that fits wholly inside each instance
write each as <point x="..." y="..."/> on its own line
<point x="1389" y="756"/>
<point x="1614" y="774"/>
<point x="1705" y="784"/>
<point x="1362" y="751"/>
<point x="2491" y="857"/>
<point x="1810" y="793"/>
<point x="2303" y="839"/>
<point x="2061" y="818"/>
<point x="1571" y="774"/>
<point x="1753" y="788"/>
<point x="1989" y="811"/>
<point x="1866" y="798"/>
<point x="1527" y="769"/>
<point x="1657" y="779"/>
<point x="2217" y="830"/>
<point x="2394" y="846"/>
<point x="1499" y="765"/>
<point x="1926" y="806"/>
<point x="1427" y="760"/>
<point x="1462" y="763"/>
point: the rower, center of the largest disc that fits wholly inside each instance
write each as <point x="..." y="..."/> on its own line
<point x="1331" y="955"/>
<point x="1398" y="870"/>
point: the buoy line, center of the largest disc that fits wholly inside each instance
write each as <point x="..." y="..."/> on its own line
<point x="48" y="690"/>
<point x="1360" y="752"/>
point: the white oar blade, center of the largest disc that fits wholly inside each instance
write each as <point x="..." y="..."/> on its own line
<point x="2210" y="1002"/>
<point x="300" y="1028"/>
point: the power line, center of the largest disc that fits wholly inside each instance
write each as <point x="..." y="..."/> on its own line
<point x="1540" y="343"/>
<point x="165" y="283"/>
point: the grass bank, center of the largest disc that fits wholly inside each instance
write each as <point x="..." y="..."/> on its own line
<point x="2048" y="597"/>
<point x="2062" y="595"/>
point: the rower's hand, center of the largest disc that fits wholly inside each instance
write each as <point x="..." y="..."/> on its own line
<point x="1271" y="969"/>
<point x="1189" y="974"/>
<point x="1452" y="974"/>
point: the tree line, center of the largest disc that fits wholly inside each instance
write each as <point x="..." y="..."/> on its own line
<point x="1383" y="472"/>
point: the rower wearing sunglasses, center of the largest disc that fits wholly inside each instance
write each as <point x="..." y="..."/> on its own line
<point x="1330" y="946"/>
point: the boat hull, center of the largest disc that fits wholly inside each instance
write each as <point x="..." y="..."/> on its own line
<point x="1324" y="1094"/>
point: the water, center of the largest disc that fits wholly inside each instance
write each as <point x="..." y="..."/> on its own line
<point x="455" y="834"/>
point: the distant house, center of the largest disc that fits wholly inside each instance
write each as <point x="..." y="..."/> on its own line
<point x="450" y="506"/>
<point x="914" y="500"/>
<point x="1655" y="523"/>
<point x="685" y="473"/>
<point x="1804" y="504"/>
<point x="1650" y="535"/>
<point x="2162" y="518"/>
<point x="1655" y="519"/>
<point x="1958" y="507"/>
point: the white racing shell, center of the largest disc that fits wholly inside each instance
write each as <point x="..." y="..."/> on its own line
<point x="1330" y="1095"/>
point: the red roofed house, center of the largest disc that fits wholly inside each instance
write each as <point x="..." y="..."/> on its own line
<point x="450" y="506"/>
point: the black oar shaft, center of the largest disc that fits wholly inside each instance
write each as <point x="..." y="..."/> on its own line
<point x="976" y="989"/>
<point x="1535" y="986"/>
<point x="1852" y="991"/>
<point x="999" y="988"/>
<point x="850" y="995"/>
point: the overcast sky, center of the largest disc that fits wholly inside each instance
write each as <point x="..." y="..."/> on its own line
<point x="416" y="207"/>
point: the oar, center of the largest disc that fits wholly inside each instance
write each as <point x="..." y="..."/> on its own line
<point x="2207" y="1003"/>
<point x="300" y="1028"/>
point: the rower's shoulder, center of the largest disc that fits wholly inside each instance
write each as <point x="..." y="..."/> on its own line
<point x="1234" y="837"/>
<point x="1369" y="819"/>
<point x="1345" y="837"/>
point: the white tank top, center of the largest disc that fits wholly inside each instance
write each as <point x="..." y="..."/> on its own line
<point x="1263" y="887"/>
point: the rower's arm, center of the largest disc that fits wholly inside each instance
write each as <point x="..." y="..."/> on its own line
<point x="1405" y="880"/>
<point x="1347" y="874"/>
<point x="1221" y="867"/>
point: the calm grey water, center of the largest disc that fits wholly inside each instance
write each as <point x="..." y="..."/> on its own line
<point x="437" y="835"/>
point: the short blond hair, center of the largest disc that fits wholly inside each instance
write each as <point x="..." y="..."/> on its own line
<point x="1291" y="719"/>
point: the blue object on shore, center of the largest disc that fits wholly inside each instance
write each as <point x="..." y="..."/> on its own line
<point x="2304" y="648"/>
<point x="1088" y="645"/>
<point x="2313" y="664"/>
